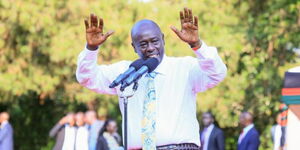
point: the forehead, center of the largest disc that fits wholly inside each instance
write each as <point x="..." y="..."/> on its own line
<point x="146" y="35"/>
<point x="112" y="123"/>
<point x="206" y="115"/>
<point x="145" y="31"/>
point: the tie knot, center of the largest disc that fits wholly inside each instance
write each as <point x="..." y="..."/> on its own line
<point x="151" y="75"/>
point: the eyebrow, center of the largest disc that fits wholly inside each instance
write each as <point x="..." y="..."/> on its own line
<point x="152" y="38"/>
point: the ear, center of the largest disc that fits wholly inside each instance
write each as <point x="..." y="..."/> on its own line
<point x="163" y="37"/>
<point x="133" y="47"/>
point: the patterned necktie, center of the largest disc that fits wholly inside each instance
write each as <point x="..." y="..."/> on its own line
<point x="149" y="115"/>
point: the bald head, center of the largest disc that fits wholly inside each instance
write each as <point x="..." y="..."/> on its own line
<point x="147" y="40"/>
<point x="246" y="118"/>
<point x="142" y="25"/>
<point x="4" y="116"/>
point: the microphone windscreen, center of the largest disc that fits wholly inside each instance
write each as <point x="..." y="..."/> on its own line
<point x="151" y="63"/>
<point x="137" y="64"/>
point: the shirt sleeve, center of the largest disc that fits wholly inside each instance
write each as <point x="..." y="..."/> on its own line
<point x="97" y="77"/>
<point x="55" y="129"/>
<point x="207" y="70"/>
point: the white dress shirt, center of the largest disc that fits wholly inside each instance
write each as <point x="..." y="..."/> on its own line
<point x="178" y="81"/>
<point x="69" y="140"/>
<point x="206" y="135"/>
<point x="82" y="136"/>
<point x="245" y="131"/>
<point x="277" y="137"/>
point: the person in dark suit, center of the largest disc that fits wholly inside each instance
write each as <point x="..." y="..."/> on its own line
<point x="6" y="132"/>
<point x="249" y="137"/>
<point x="211" y="137"/>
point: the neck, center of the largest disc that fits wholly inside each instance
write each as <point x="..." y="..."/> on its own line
<point x="208" y="125"/>
<point x="247" y="125"/>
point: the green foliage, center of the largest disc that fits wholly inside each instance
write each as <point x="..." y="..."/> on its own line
<point x="40" y="42"/>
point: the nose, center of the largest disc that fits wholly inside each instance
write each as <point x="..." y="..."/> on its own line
<point x="151" y="47"/>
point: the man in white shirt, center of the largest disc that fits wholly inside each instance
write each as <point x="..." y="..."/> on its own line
<point x="176" y="82"/>
<point x="64" y="133"/>
<point x="82" y="133"/>
<point x="276" y="132"/>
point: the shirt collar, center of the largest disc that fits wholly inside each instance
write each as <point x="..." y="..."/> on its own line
<point x="248" y="128"/>
<point x="161" y="68"/>
<point x="211" y="126"/>
<point x="4" y="123"/>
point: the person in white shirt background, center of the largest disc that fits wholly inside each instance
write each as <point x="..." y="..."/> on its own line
<point x="82" y="133"/>
<point x="276" y="132"/>
<point x="177" y="81"/>
<point x="64" y="133"/>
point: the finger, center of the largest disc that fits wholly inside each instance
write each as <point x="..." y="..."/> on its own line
<point x="109" y="33"/>
<point x="186" y="15"/>
<point x="86" y="22"/>
<point x="93" y="20"/>
<point x="177" y="32"/>
<point x="101" y="24"/>
<point x="181" y="17"/>
<point x="190" y="15"/>
<point x="196" y="21"/>
<point x="96" y="21"/>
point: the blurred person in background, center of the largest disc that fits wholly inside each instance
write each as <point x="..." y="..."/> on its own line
<point x="276" y="132"/>
<point x="64" y="132"/>
<point x="6" y="132"/>
<point x="82" y="133"/>
<point x="249" y="137"/>
<point x="212" y="137"/>
<point x="108" y="138"/>
<point x="94" y="126"/>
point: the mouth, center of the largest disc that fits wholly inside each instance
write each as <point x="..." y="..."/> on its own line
<point x="153" y="56"/>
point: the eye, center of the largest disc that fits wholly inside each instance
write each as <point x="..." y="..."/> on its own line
<point x="143" y="45"/>
<point x="155" y="41"/>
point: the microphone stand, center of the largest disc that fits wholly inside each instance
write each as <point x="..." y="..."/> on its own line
<point x="125" y="97"/>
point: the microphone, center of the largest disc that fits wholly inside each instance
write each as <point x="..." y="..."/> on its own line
<point x="133" y="67"/>
<point x="148" y="66"/>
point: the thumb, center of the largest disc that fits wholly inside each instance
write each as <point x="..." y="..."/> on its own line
<point x="177" y="32"/>
<point x="109" y="33"/>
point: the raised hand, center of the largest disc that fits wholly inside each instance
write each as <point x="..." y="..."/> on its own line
<point x="63" y="120"/>
<point x="189" y="28"/>
<point x="94" y="32"/>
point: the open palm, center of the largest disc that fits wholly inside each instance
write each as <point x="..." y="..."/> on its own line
<point x="189" y="27"/>
<point x="94" y="32"/>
